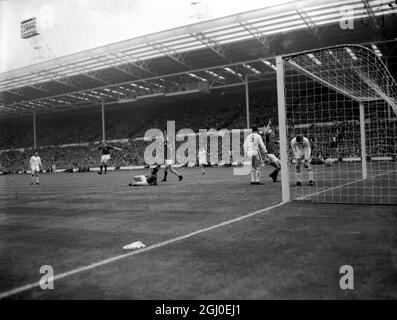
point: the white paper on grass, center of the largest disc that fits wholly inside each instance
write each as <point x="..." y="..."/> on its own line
<point x="134" y="245"/>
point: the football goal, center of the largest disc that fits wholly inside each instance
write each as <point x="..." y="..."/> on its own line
<point x="343" y="100"/>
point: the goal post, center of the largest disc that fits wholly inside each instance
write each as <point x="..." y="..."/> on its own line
<point x="343" y="99"/>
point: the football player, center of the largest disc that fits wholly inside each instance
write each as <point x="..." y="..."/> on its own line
<point x="302" y="152"/>
<point x="35" y="166"/>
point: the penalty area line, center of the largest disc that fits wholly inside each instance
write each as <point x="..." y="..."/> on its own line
<point x="101" y="263"/>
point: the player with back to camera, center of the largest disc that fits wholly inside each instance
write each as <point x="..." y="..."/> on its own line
<point x="302" y="152"/>
<point x="253" y="144"/>
<point x="35" y="166"/>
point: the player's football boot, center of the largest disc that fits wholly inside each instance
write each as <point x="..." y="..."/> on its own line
<point x="164" y="180"/>
<point x="298" y="184"/>
<point x="99" y="172"/>
<point x="311" y="183"/>
<point x="273" y="175"/>
<point x="31" y="183"/>
<point x="180" y="178"/>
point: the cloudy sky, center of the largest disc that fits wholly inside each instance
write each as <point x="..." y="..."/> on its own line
<point x="69" y="26"/>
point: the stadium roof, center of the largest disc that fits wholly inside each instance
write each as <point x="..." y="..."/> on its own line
<point x="220" y="52"/>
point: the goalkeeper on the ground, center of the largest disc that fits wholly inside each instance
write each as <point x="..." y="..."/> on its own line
<point x="302" y="152"/>
<point x="146" y="180"/>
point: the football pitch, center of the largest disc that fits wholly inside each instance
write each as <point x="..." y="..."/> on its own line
<point x="211" y="236"/>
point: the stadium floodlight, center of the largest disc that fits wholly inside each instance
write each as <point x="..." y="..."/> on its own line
<point x="345" y="104"/>
<point x="214" y="74"/>
<point x="269" y="64"/>
<point x="311" y="56"/>
<point x="197" y="77"/>
<point x="29" y="28"/>
<point x="376" y="49"/>
<point x="351" y="53"/>
<point x="233" y="72"/>
<point x="250" y="68"/>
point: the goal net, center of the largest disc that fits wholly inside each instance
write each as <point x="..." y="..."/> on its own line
<point x="344" y="101"/>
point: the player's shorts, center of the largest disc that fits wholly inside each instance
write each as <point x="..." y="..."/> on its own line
<point x="105" y="158"/>
<point x="305" y="154"/>
<point x="168" y="163"/>
<point x="255" y="157"/>
<point x="272" y="157"/>
<point x="139" y="181"/>
<point x="35" y="168"/>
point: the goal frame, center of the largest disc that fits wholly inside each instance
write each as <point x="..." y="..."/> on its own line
<point x="281" y="60"/>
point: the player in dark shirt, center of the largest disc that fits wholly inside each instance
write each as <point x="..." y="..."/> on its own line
<point x="105" y="148"/>
<point x="268" y="138"/>
<point x="168" y="163"/>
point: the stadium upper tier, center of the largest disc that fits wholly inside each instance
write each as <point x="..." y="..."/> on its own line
<point x="219" y="52"/>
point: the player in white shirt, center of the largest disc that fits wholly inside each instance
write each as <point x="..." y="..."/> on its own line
<point x="252" y="146"/>
<point x="169" y="162"/>
<point x="35" y="167"/>
<point x="302" y="152"/>
<point x="202" y="155"/>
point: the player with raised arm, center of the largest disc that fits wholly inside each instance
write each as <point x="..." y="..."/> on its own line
<point x="35" y="166"/>
<point x="105" y="148"/>
<point x="302" y="152"/>
<point x="169" y="162"/>
<point x="253" y="144"/>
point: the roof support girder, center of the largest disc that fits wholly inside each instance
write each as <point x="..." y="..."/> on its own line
<point x="211" y="44"/>
<point x="258" y="35"/>
<point x="171" y="53"/>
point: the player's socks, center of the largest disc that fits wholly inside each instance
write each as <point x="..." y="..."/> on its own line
<point x="258" y="176"/>
<point x="100" y="170"/>
<point x="106" y="169"/>
<point x="273" y="175"/>
<point x="253" y="176"/>
<point x="310" y="174"/>
<point x="165" y="176"/>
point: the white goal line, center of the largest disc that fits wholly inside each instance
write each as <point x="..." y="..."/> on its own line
<point x="344" y="185"/>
